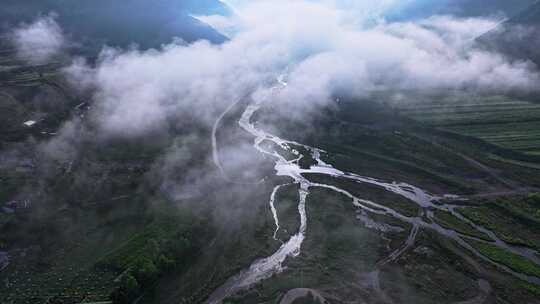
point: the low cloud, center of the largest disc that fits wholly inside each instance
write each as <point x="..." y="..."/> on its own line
<point x="322" y="50"/>
<point x="39" y="41"/>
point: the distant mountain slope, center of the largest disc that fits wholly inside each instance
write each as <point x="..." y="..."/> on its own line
<point x="121" y="22"/>
<point x="529" y="16"/>
<point x="409" y="10"/>
<point x="518" y="37"/>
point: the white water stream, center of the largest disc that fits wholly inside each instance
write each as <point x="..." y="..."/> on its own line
<point x="265" y="268"/>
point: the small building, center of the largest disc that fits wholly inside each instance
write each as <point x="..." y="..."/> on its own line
<point x="30" y="123"/>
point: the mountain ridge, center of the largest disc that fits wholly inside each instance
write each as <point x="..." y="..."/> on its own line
<point x="121" y="23"/>
<point x="460" y="8"/>
<point x="518" y="37"/>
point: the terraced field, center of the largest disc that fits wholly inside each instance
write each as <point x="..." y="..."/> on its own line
<point x="508" y="123"/>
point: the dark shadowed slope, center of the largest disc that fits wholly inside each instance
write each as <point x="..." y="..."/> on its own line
<point x="121" y="23"/>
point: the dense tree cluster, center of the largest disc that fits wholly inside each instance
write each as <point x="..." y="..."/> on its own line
<point x="162" y="257"/>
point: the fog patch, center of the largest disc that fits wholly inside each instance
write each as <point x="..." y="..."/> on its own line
<point x="39" y="41"/>
<point x="322" y="50"/>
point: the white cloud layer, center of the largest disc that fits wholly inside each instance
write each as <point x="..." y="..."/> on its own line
<point x="323" y="50"/>
<point x="38" y="41"/>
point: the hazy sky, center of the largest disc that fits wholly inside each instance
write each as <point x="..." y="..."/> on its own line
<point x="357" y="8"/>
